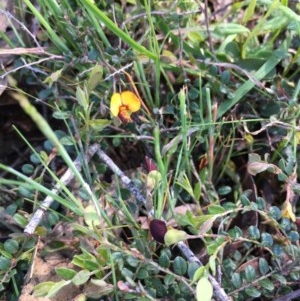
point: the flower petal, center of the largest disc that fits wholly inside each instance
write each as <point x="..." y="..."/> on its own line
<point x="115" y="104"/>
<point x="130" y="100"/>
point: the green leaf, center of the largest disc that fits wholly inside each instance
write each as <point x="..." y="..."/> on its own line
<point x="198" y="274"/>
<point x="42" y="289"/>
<point x="267" y="284"/>
<point x="127" y="273"/>
<point x="142" y="274"/>
<point x="57" y="287"/>
<point x="254" y="232"/>
<point x="169" y="279"/>
<point x="132" y="261"/>
<point x="215" y="209"/>
<point x="252" y="292"/>
<point x="244" y="200"/>
<point x="249" y="11"/>
<point x="266" y="240"/>
<point x="235" y="232"/>
<point x="192" y="268"/>
<point x="226" y="29"/>
<point x="27" y="169"/>
<point x="81" y="277"/>
<point x="61" y="115"/>
<point x="280" y="279"/>
<point x="185" y="183"/>
<point x="214" y="246"/>
<point x="53" y="77"/>
<point x="91" y="217"/>
<point x="224" y="190"/>
<point x="82" y="98"/>
<point x="67" y="141"/>
<point x="263" y="266"/>
<point x="65" y="273"/>
<point x="95" y="78"/>
<point x="179" y="265"/>
<point x="250" y="273"/>
<point x="4" y="263"/>
<point x="11" y="246"/>
<point x="236" y="280"/>
<point x="99" y="124"/>
<point x="164" y="260"/>
<point x="204" y="290"/>
<point x="212" y="264"/>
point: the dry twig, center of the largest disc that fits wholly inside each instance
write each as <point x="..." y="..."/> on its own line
<point x="67" y="177"/>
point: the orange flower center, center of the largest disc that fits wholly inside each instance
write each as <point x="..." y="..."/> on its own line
<point x="124" y="114"/>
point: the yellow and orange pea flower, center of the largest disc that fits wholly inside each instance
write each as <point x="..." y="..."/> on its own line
<point x="123" y="104"/>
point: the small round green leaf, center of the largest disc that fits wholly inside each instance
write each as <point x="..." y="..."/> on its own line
<point x="293" y="236"/>
<point x="35" y="159"/>
<point x="266" y="240"/>
<point x="224" y="190"/>
<point x="277" y="249"/>
<point x="27" y="193"/>
<point x="27" y="169"/>
<point x="127" y="273"/>
<point x="252" y="292"/>
<point x="236" y="280"/>
<point x="275" y="212"/>
<point x="179" y="265"/>
<point x="67" y="141"/>
<point x="267" y="284"/>
<point x="4" y="263"/>
<point x="254" y="232"/>
<point x="169" y="279"/>
<point x="164" y="260"/>
<point x="225" y="77"/>
<point x="263" y="266"/>
<point x="192" y="268"/>
<point x="142" y="274"/>
<point x="11" y="246"/>
<point x="132" y="261"/>
<point x="250" y="273"/>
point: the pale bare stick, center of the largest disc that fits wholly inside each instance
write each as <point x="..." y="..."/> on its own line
<point x="22" y="50"/>
<point x="66" y="178"/>
<point x="125" y="180"/>
<point x="28" y="65"/>
<point x="9" y="15"/>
